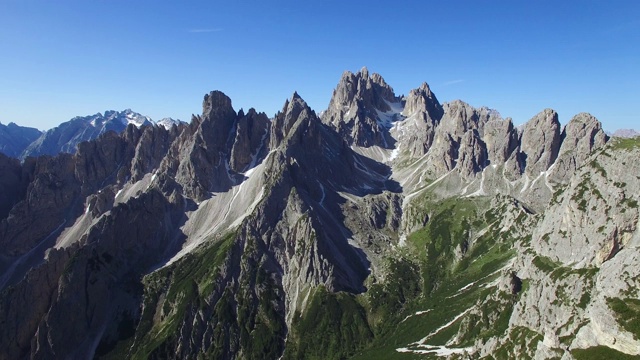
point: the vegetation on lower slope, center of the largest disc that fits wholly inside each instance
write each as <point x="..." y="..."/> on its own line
<point x="192" y="298"/>
<point x="467" y="295"/>
<point x="334" y="326"/>
<point x="601" y="353"/>
<point x="520" y="344"/>
<point x="456" y="301"/>
<point x="625" y="143"/>
<point x="386" y="299"/>
<point x="168" y="294"/>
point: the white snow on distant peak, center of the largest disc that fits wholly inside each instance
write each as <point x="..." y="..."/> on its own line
<point x="168" y="123"/>
<point x="135" y="118"/>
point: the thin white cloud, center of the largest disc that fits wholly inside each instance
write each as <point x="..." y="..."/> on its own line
<point x="196" y="31"/>
<point x="452" y="82"/>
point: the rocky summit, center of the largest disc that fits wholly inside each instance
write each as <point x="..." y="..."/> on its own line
<point x="384" y="227"/>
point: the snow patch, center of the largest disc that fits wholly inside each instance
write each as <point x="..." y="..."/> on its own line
<point x="324" y="194"/>
<point x="402" y="241"/>
<point x="418" y="313"/>
<point x="422" y="341"/>
<point x="386" y="119"/>
<point x="436" y="350"/>
<point x="419" y="347"/>
<point x="394" y="154"/>
<point x="418" y="192"/>
<point x="254" y="156"/>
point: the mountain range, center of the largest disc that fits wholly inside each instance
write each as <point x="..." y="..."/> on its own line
<point x="625" y="133"/>
<point x="14" y="139"/>
<point x="382" y="227"/>
<point x="21" y="142"/>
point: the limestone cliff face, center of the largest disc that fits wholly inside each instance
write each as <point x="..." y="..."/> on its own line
<point x="540" y="142"/>
<point x="501" y="138"/>
<point x="252" y="130"/>
<point x="472" y="156"/>
<point x="151" y="148"/>
<point x="595" y="216"/>
<point x="202" y="156"/>
<point x="458" y="141"/>
<point x="582" y="256"/>
<point x="580" y="137"/>
<point x="96" y="291"/>
<point x="424" y="113"/>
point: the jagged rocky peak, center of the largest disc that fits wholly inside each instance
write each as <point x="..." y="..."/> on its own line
<point x="583" y="133"/>
<point x="580" y="137"/>
<point x="293" y="111"/>
<point x="362" y="109"/>
<point x="199" y="159"/>
<point x="540" y="142"/>
<point x="215" y="101"/>
<point x="252" y="130"/>
<point x="371" y="90"/>
<point x="458" y="138"/>
<point x="472" y="156"/>
<point x="150" y="149"/>
<point x="218" y="111"/>
<point x="423" y="101"/>
<point x="218" y="118"/>
<point x="501" y="138"/>
<point x="423" y="113"/>
<point x="460" y="117"/>
<point x="214" y="151"/>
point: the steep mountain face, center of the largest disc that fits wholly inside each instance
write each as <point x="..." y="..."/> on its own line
<point x="424" y="113"/>
<point x="66" y="136"/>
<point x="14" y="139"/>
<point x="12" y="184"/>
<point x="386" y="228"/>
<point x="359" y="107"/>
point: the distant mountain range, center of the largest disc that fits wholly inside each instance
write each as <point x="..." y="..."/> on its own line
<point x="22" y="142"/>
<point x="625" y="133"/>
<point x="14" y="139"/>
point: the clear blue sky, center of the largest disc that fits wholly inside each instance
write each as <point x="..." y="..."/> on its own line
<point x="59" y="59"/>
